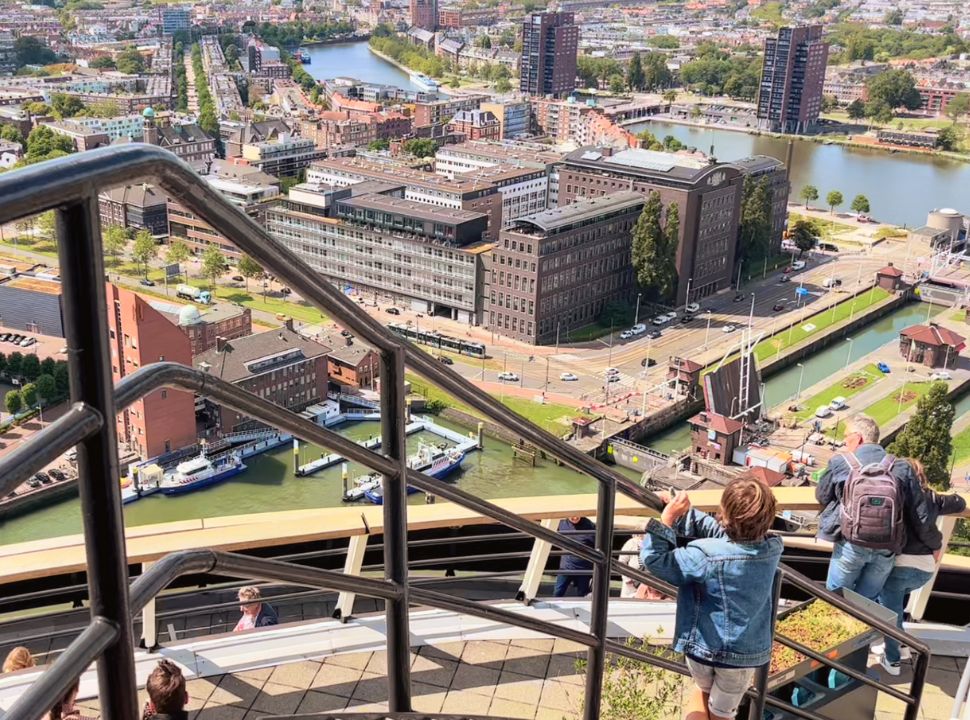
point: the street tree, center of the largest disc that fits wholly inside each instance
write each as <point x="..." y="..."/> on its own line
<point x="804" y="234"/>
<point x="670" y="96"/>
<point x="860" y="204"/>
<point x="249" y="269"/>
<point x="809" y="194"/>
<point x="177" y="252"/>
<point x="892" y="89"/>
<point x="634" y="73"/>
<point x="833" y="200"/>
<point x="958" y="107"/>
<point x="30" y="368"/>
<point x="654" y="255"/>
<point x="28" y="394"/>
<point x="856" y="109"/>
<point x="927" y="435"/>
<point x="62" y="378"/>
<point x="114" y="240"/>
<point x="47" y="227"/>
<point x="213" y="264"/>
<point x="13" y="402"/>
<point x="755" y="226"/>
<point x="46" y="388"/>
<point x="15" y="363"/>
<point x="617" y="84"/>
<point x="144" y="249"/>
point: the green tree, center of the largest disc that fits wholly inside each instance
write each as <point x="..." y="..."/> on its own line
<point x="503" y="85"/>
<point x="670" y="96"/>
<point x="649" y="141"/>
<point x="484" y="42"/>
<point x="809" y="194"/>
<point x="856" y="109"/>
<point x="949" y="138"/>
<point x="420" y="147"/>
<point x="249" y="269"/>
<point x="47" y="227"/>
<point x="634" y="73"/>
<point x="44" y="144"/>
<point x="177" y="252"/>
<point x="28" y="50"/>
<point x="213" y="264"/>
<point x="833" y="200"/>
<point x="891" y="89"/>
<point x="617" y="84"/>
<point x="927" y="435"/>
<point x="754" y="229"/>
<point x="47" y="366"/>
<point x="11" y="133"/>
<point x="102" y="62"/>
<point x="37" y="108"/>
<point x="114" y="240"/>
<point x="654" y="255"/>
<point x="30" y="368"/>
<point x="382" y="144"/>
<point x="13" y="401"/>
<point x="65" y="106"/>
<point x="958" y="107"/>
<point x="894" y="17"/>
<point x="28" y="394"/>
<point x="46" y="388"/>
<point x="860" y="204"/>
<point x="804" y="234"/>
<point x="3" y="363"/>
<point x="144" y="249"/>
<point x="62" y="378"/>
<point x="15" y="362"/>
<point x="656" y="74"/>
<point x="130" y="61"/>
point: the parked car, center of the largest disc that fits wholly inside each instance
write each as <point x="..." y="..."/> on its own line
<point x="147" y="282"/>
<point x="27" y="342"/>
<point x="511" y="376"/>
<point x="798" y="265"/>
<point x="693" y="308"/>
<point x="831" y="282"/>
<point x="626" y="335"/>
<point x="638" y="329"/>
<point x="838" y="403"/>
<point x="568" y="377"/>
<point x="729" y="328"/>
<point x="654" y="334"/>
<point x="784" y="278"/>
<point x="392" y="311"/>
<point x="238" y="278"/>
<point x="778" y="307"/>
<point x="33" y="483"/>
<point x="4" y="337"/>
<point x="446" y="360"/>
<point x="686" y="319"/>
<point x="941" y="375"/>
<point x="42" y="477"/>
<point x="883" y="367"/>
<point x="786" y="270"/>
<point x="671" y="316"/>
<point x="823" y="411"/>
<point x="58" y="475"/>
<point x="660" y="320"/>
<point x="739" y="297"/>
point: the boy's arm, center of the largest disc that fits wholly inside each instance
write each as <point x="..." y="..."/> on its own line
<point x="663" y="559"/>
<point x="698" y="524"/>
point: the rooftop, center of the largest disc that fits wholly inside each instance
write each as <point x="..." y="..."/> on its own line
<point x="560" y="217"/>
<point x="213" y="313"/>
<point x="643" y="163"/>
<point x="412" y="208"/>
<point x="934" y="335"/>
<point x="388" y="172"/>
<point x="232" y="363"/>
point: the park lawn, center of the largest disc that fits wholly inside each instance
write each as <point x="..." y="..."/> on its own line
<point x="866" y="377"/>
<point x="826" y="226"/>
<point x="545" y="415"/>
<point x="890" y="232"/>
<point x="819" y="322"/>
<point x="961" y="446"/>
<point x="41" y="247"/>
<point x="885" y="410"/>
<point x="960" y="315"/>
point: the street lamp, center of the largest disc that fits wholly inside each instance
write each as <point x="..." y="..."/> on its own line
<point x="801" y="374"/>
<point x="636" y="318"/>
<point x="708" y="331"/>
<point x="687" y="300"/>
<point x="848" y="355"/>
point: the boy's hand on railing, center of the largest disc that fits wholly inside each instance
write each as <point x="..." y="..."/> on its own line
<point x="676" y="508"/>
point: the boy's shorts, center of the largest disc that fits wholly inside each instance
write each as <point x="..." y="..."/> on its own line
<point x="725" y="686"/>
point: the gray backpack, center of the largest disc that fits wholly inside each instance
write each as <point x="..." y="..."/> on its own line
<point x="871" y="512"/>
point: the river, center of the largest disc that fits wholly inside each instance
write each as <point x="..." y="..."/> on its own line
<point x="355" y="60"/>
<point x="902" y="188"/>
<point x="823" y="364"/>
<point x="269" y="484"/>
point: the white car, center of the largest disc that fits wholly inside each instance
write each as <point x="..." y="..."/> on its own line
<point x="508" y="376"/>
<point x="27" y="342"/>
<point x="798" y="265"/>
<point x="568" y="377"/>
<point x="693" y="308"/>
<point x="729" y="328"/>
<point x="611" y="371"/>
<point x="823" y="411"/>
<point x="838" y="403"/>
<point x="638" y="329"/>
<point x="941" y="375"/>
<point x="660" y="320"/>
<point x="626" y="335"/>
<point x="670" y="316"/>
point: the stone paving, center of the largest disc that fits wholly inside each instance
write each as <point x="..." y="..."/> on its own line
<point x="535" y="679"/>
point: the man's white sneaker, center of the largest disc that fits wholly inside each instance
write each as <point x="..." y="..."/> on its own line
<point x="878" y="648"/>
<point x="891" y="668"/>
<point x="905" y="653"/>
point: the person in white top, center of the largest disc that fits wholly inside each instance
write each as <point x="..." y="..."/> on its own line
<point x="630" y="555"/>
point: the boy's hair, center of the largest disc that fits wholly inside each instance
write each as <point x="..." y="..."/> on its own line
<point x="166" y="688"/>
<point x="18" y="659"/>
<point x="747" y="509"/>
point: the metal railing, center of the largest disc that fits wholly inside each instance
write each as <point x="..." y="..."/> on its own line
<point x="69" y="186"/>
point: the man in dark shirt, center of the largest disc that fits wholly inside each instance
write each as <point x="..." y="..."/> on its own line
<point x="583" y="530"/>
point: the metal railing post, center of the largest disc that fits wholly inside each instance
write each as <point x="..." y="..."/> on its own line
<point x="352" y="565"/>
<point x="598" y="615"/>
<point x="536" y="566"/>
<point x="394" y="446"/>
<point x="86" y="328"/>
<point x="149" y="622"/>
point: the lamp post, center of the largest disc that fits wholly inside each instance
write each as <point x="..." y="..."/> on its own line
<point x="687" y="299"/>
<point x="708" y="331"/>
<point x="636" y="318"/>
<point x="848" y="355"/>
<point x="801" y="375"/>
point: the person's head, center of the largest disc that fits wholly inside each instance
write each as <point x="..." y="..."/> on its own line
<point x="66" y="704"/>
<point x="575" y="519"/>
<point x="250" y="600"/>
<point x="861" y="430"/>
<point x="747" y="509"/>
<point x="920" y="472"/>
<point x="166" y="689"/>
<point x="18" y="659"/>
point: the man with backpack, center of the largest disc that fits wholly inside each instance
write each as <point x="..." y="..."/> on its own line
<point x="871" y="501"/>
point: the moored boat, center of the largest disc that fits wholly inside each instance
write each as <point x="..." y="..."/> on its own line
<point x="200" y="472"/>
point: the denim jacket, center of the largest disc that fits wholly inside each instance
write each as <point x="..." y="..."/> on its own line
<point x="724" y="603"/>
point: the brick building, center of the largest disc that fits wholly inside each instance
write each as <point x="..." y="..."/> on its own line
<point x="931" y="345"/>
<point x="139" y="335"/>
<point x="277" y="365"/>
<point x="221" y="320"/>
<point x="556" y="270"/>
<point x="351" y="363"/>
<point x="476" y="125"/>
<point x="792" y="78"/>
<point x="550" y="41"/>
<point x="140" y="207"/>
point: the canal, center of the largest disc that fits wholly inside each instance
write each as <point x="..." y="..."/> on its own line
<point x="355" y="60"/>
<point x="269" y="484"/>
<point x="901" y="188"/>
<point x="823" y="364"/>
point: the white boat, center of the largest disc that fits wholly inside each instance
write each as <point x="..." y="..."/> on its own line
<point x="200" y="472"/>
<point x="437" y="462"/>
<point x="424" y="82"/>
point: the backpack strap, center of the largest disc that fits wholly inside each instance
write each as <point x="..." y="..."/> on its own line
<point x="887" y="462"/>
<point x="852" y="461"/>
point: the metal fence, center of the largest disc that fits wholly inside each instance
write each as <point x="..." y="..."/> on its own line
<point x="69" y="186"/>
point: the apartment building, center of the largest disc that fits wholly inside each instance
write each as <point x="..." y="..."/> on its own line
<point x="550" y="41"/>
<point x="524" y="190"/>
<point x="284" y="156"/>
<point x="792" y="78"/>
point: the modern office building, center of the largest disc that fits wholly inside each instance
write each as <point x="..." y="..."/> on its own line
<point x="163" y="420"/>
<point x="369" y="238"/>
<point x="174" y="19"/>
<point x="524" y="190"/>
<point x="550" y="41"/>
<point x="424" y="14"/>
<point x="514" y="117"/>
<point x="556" y="270"/>
<point x="792" y="78"/>
<point x="283" y="156"/>
<point x="708" y="197"/>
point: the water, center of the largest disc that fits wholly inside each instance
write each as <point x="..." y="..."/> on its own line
<point x="901" y="188"/>
<point x="355" y="60"/>
<point x="823" y="364"/>
<point x="269" y="485"/>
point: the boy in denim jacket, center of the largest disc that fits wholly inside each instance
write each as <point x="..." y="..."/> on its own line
<point x="725" y="574"/>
